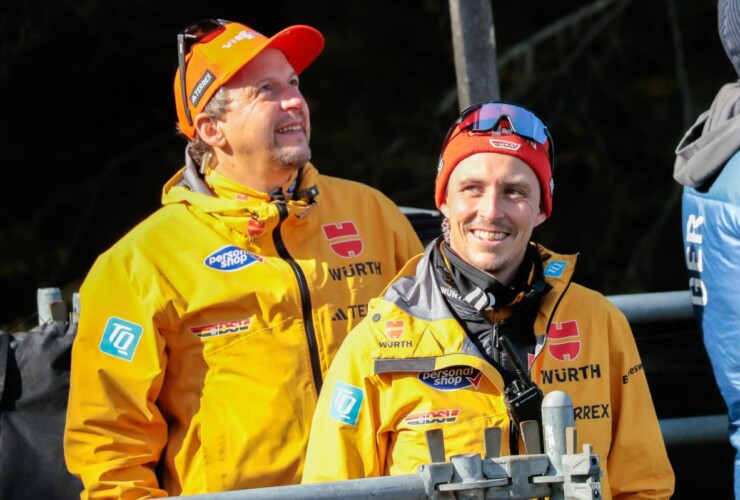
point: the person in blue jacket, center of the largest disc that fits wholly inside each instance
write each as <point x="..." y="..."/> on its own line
<point x="708" y="165"/>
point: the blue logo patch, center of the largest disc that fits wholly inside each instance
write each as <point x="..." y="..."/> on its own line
<point x="555" y="268"/>
<point x="452" y="378"/>
<point x="120" y="338"/>
<point x="231" y="258"/>
<point x="346" y="402"/>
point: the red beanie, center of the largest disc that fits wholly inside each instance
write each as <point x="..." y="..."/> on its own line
<point x="464" y="144"/>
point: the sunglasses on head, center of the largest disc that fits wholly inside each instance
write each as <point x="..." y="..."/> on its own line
<point x="200" y="32"/>
<point x="487" y="117"/>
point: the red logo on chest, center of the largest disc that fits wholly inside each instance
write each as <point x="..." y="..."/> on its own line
<point x="394" y="328"/>
<point x="255" y="227"/>
<point x="563" y="340"/>
<point x="344" y="239"/>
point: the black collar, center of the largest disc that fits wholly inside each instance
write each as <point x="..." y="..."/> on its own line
<point x="483" y="291"/>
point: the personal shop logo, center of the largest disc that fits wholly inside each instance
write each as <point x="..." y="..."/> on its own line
<point x="231" y="258"/>
<point x="453" y="378"/>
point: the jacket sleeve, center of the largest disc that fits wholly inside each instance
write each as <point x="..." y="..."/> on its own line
<point x="114" y="432"/>
<point x="343" y="442"/>
<point x="637" y="464"/>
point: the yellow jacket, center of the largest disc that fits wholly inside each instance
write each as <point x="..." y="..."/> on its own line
<point x="206" y="331"/>
<point x="409" y="367"/>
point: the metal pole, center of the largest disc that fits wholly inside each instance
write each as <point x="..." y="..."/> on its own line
<point x="47" y="300"/>
<point x="410" y="486"/>
<point x="658" y="306"/>
<point x="706" y="429"/>
<point x="557" y="415"/>
<point x="474" y="45"/>
<point x="75" y="308"/>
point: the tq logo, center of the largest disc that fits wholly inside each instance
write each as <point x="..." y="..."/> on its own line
<point x="563" y="340"/>
<point x="344" y="239"/>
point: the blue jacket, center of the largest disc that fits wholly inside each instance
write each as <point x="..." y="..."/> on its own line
<point x="708" y="165"/>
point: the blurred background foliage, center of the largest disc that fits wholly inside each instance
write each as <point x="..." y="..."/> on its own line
<point x="88" y="118"/>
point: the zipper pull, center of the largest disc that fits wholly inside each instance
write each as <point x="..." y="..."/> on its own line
<point x="277" y="195"/>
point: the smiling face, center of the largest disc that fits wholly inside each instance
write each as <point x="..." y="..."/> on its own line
<point x="265" y="132"/>
<point x="493" y="204"/>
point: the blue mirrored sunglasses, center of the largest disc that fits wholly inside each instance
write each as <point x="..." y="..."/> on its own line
<point x="487" y="117"/>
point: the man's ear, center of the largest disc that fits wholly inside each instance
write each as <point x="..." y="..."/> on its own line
<point x="540" y="218"/>
<point x="208" y="130"/>
<point x="444" y="208"/>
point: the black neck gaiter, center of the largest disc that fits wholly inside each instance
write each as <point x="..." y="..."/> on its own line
<point x="480" y="289"/>
<point x="469" y="292"/>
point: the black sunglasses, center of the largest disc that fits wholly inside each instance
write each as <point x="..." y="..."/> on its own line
<point x="487" y="117"/>
<point x="199" y="32"/>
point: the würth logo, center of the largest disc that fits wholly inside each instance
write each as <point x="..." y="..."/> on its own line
<point x="255" y="227"/>
<point x="394" y="328"/>
<point x="344" y="239"/>
<point x="563" y="340"/>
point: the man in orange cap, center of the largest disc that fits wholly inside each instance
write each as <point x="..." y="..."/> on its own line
<point x="207" y="330"/>
<point x="440" y="348"/>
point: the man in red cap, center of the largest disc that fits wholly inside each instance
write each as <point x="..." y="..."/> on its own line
<point x="206" y="331"/>
<point x="439" y="349"/>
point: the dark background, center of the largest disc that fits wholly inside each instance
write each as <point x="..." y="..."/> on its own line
<point x="88" y="137"/>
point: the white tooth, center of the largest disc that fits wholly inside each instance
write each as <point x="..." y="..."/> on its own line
<point x="292" y="128"/>
<point x="489" y="235"/>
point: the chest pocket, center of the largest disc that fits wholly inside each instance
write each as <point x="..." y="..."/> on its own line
<point x="460" y="401"/>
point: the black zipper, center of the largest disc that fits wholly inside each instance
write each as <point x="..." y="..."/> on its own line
<point x="495" y="349"/>
<point x="313" y="348"/>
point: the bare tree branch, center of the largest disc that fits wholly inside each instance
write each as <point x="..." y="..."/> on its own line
<point x="526" y="48"/>
<point x="88" y="193"/>
<point x="555" y="29"/>
<point x="650" y="235"/>
<point x="681" y="76"/>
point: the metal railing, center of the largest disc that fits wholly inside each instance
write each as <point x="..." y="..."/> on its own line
<point x="659" y="306"/>
<point x="638" y="308"/>
<point x="671" y="306"/>
<point x="558" y="472"/>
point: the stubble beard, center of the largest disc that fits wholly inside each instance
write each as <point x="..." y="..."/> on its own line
<point x="291" y="159"/>
<point x="484" y="263"/>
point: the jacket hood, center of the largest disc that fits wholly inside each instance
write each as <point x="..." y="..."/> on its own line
<point x="711" y="141"/>
<point x="416" y="291"/>
<point x="252" y="217"/>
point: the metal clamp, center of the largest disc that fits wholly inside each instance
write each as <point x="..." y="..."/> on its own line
<point x="559" y="473"/>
